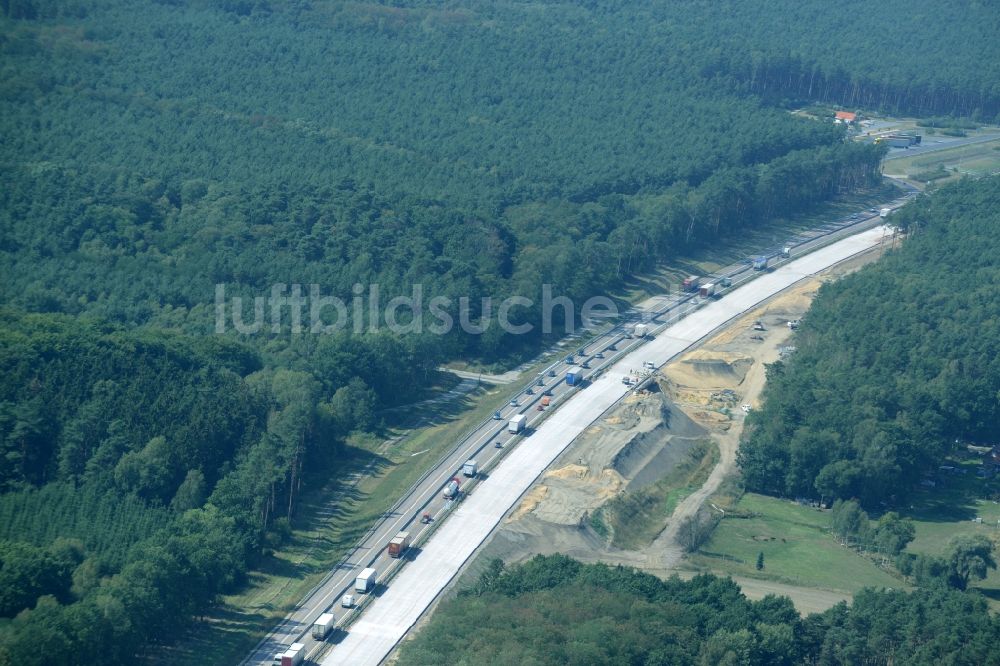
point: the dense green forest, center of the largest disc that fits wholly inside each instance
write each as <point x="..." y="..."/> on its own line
<point x="898" y="56"/>
<point x="141" y="471"/>
<point x="152" y="150"/>
<point x="895" y="366"/>
<point x="554" y="610"/>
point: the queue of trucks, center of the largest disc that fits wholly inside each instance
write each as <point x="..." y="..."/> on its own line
<point x="293" y="656"/>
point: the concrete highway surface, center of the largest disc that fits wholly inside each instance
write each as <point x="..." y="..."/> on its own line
<point x="398" y="606"/>
<point x="363" y="631"/>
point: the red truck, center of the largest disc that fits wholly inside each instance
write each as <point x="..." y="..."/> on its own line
<point x="399" y="544"/>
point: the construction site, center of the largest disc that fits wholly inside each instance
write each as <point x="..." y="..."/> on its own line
<point x="624" y="488"/>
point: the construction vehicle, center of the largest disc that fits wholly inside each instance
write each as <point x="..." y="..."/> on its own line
<point x="322" y="626"/>
<point x="398" y="545"/>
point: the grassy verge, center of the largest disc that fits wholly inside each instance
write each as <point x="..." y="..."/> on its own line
<point x="797" y="548"/>
<point x="635" y="519"/>
<point x="975" y="159"/>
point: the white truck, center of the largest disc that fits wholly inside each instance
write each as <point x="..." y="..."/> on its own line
<point x="641" y="330"/>
<point x="884" y="212"/>
<point x="322" y="626"/>
<point x="366" y="580"/>
<point x="470" y="468"/>
<point x="292" y="656"/>
<point x="516" y="424"/>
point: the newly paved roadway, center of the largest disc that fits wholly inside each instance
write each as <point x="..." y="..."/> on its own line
<point x="371" y="632"/>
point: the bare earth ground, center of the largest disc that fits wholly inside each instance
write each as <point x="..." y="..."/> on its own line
<point x="700" y="395"/>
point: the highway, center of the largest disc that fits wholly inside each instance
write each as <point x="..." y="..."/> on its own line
<point x="930" y="145"/>
<point x="509" y="463"/>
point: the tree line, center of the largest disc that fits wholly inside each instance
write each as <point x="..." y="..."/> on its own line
<point x="555" y="610"/>
<point x="896" y="365"/>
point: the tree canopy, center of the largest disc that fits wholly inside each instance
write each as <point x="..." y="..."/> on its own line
<point x="554" y="610"/>
<point x="894" y="364"/>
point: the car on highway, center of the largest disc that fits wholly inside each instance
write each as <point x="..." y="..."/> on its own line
<point x="513" y="403"/>
<point x="552" y="373"/>
<point x="497" y="416"/>
<point x="599" y="355"/>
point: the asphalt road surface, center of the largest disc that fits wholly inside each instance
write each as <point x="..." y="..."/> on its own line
<point x="460" y="526"/>
<point x="930" y="146"/>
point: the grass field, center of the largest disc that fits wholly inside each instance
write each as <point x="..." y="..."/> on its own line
<point x="797" y="548"/>
<point x="951" y="509"/>
<point x="978" y="159"/>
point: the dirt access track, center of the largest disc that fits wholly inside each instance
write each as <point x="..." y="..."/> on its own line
<point x="701" y="394"/>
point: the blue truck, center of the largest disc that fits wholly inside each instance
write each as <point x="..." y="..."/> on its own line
<point x="574" y="376"/>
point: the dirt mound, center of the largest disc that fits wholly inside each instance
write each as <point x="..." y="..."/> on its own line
<point x="528" y="504"/>
<point x="709" y="370"/>
<point x="646" y="453"/>
<point x="664" y="460"/>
